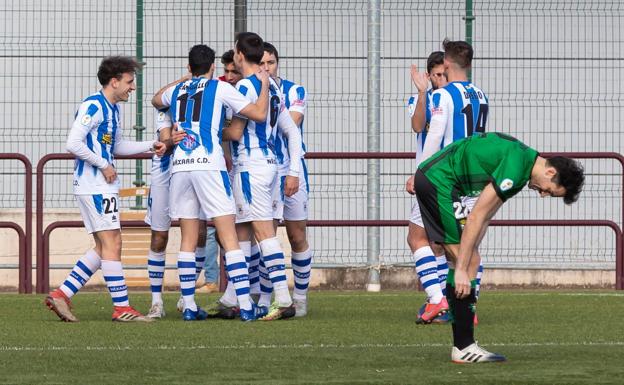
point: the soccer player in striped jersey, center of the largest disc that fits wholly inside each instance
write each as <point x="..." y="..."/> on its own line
<point x="492" y="167"/>
<point x="459" y="110"/>
<point x="157" y="215"/>
<point x="208" y="242"/>
<point x="293" y="209"/>
<point x="199" y="180"/>
<point x="95" y="138"/>
<point x="255" y="173"/>
<point x="430" y="262"/>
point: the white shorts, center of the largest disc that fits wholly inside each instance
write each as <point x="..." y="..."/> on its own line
<point x="256" y="193"/>
<point x="295" y="207"/>
<point x="157" y="215"/>
<point x="191" y="192"/>
<point x="416" y="218"/>
<point x="99" y="211"/>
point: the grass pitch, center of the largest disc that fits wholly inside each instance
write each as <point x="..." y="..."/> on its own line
<point x="548" y="337"/>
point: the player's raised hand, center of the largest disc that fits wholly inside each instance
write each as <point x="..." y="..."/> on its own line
<point x="110" y="174"/>
<point x="177" y="135"/>
<point x="291" y="185"/>
<point x="409" y="185"/>
<point x="159" y="148"/>
<point x="419" y="79"/>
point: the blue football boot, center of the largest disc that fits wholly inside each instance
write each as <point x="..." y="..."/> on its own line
<point x="190" y="315"/>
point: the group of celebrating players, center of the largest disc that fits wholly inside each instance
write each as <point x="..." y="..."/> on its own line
<point x="230" y="150"/>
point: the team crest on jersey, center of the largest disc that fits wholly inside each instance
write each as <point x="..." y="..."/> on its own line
<point x="506" y="184"/>
<point x="86" y="119"/>
<point x="190" y="142"/>
<point x="107" y="139"/>
<point x="161" y="116"/>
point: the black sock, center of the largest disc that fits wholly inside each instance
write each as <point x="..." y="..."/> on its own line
<point x="462" y="311"/>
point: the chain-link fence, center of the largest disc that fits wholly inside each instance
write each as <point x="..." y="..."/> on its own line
<point x="552" y="71"/>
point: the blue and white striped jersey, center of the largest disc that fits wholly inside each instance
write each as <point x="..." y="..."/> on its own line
<point x="198" y="106"/>
<point x="98" y="122"/>
<point x="458" y="110"/>
<point x="295" y="101"/>
<point x="421" y="136"/>
<point x="161" y="166"/>
<point x="258" y="140"/>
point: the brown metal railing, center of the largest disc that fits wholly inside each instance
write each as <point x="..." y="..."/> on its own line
<point x="43" y="239"/>
<point x="25" y="258"/>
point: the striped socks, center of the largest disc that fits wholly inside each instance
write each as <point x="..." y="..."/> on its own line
<point x="266" y="287"/>
<point x="186" y="273"/>
<point x="427" y="270"/>
<point x="115" y="281"/>
<point x="254" y="273"/>
<point x="80" y="274"/>
<point x="156" y="271"/>
<point x="236" y="267"/>
<point x="200" y="258"/>
<point x="274" y="261"/>
<point x="478" y="280"/>
<point x="442" y="271"/>
<point x="301" y="264"/>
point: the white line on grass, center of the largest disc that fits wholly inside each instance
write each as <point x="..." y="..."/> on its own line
<point x="298" y="346"/>
<point x="486" y="292"/>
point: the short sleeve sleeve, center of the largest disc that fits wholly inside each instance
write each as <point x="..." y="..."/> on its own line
<point x="513" y="173"/>
<point x="298" y="99"/>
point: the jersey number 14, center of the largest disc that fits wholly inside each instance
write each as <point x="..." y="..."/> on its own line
<point x="481" y="119"/>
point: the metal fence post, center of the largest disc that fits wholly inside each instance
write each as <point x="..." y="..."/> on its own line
<point x="468" y="19"/>
<point x="138" y="127"/>
<point x="373" y="111"/>
<point x="240" y="16"/>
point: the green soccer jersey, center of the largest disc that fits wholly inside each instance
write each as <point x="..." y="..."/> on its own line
<point x="468" y="165"/>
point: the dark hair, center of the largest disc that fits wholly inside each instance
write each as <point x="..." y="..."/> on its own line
<point x="435" y="59"/>
<point x="201" y="58"/>
<point x="569" y="176"/>
<point x="251" y="46"/>
<point x="115" y="67"/>
<point x="270" y="48"/>
<point x="227" y="57"/>
<point x="458" y="52"/>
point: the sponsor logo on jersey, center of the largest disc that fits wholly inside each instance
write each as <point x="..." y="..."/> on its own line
<point x="506" y="184"/>
<point x="190" y="142"/>
<point x="107" y="139"/>
<point x="86" y="119"/>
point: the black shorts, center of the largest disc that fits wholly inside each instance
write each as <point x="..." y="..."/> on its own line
<point x="442" y="208"/>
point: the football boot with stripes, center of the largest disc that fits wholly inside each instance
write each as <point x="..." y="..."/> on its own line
<point x="473" y="354"/>
<point x="128" y="314"/>
<point x="255" y="313"/>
